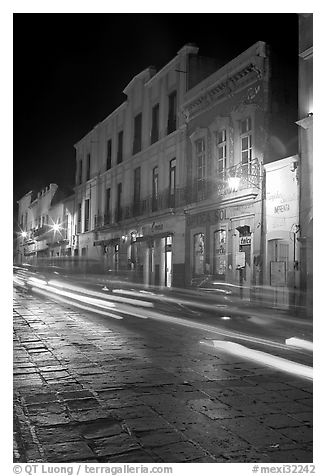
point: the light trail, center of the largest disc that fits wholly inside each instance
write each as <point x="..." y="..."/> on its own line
<point x="62" y="295"/>
<point x="274" y="361"/>
<point x="134" y="302"/>
<point x="76" y="304"/>
<point x="146" y="313"/>
<point x="103" y="307"/>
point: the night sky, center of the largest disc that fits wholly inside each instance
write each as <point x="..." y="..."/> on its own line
<point x="70" y="70"/>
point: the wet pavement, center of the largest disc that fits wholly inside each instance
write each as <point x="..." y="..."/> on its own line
<point x="93" y="389"/>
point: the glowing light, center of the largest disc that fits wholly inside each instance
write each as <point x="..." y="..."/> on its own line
<point x="234" y="183"/>
<point x="225" y="318"/>
<point x="56" y="227"/>
<point x="23" y="234"/>
<point x="302" y="344"/>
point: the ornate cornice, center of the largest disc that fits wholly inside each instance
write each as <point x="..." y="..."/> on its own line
<point x="223" y="89"/>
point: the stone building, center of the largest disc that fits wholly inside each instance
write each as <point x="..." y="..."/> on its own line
<point x="305" y="124"/>
<point x="237" y="121"/>
<point x="130" y="178"/>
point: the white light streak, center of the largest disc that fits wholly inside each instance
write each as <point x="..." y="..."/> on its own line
<point x="263" y="358"/>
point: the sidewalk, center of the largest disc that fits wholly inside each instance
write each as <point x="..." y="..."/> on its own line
<point x="85" y="392"/>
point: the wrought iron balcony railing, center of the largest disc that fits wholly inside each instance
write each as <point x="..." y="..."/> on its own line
<point x="246" y="176"/>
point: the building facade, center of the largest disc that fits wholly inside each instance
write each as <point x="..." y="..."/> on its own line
<point x="232" y="130"/>
<point x="305" y="124"/>
<point x="45" y="223"/>
<point x="130" y="179"/>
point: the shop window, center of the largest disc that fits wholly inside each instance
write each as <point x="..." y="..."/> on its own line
<point x="199" y="253"/>
<point x="220" y="253"/>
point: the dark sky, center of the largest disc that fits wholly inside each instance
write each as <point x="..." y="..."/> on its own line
<point x="70" y="70"/>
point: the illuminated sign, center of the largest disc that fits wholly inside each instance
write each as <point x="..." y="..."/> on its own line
<point x="245" y="240"/>
<point x="282" y="195"/>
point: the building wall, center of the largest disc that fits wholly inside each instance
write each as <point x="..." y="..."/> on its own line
<point x="305" y="124"/>
<point x="109" y="238"/>
<point x="217" y="217"/>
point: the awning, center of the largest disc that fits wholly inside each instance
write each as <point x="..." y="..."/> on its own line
<point x="154" y="236"/>
<point x="110" y="242"/>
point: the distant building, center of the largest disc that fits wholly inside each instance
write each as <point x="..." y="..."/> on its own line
<point x="44" y="224"/>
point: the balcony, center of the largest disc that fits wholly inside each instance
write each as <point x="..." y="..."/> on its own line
<point x="149" y="205"/>
<point x="39" y="232"/>
<point x="246" y="177"/>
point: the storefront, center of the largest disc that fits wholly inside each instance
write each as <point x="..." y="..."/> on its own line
<point x="282" y="226"/>
<point x="148" y="253"/>
<point x="224" y="244"/>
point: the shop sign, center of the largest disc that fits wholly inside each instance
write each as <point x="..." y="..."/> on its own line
<point x="245" y="240"/>
<point x="212" y="216"/>
<point x="282" y="196"/>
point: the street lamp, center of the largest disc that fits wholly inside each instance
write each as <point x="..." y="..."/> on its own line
<point x="233" y="183"/>
<point x="23" y="234"/>
<point x="56" y="227"/>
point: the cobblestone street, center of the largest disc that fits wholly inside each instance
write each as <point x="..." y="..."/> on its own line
<point x="95" y="389"/>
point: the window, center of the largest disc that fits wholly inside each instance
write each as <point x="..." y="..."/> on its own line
<point x="220" y="253"/>
<point x="108" y="154"/>
<point x="137" y="134"/>
<point x="172" y="184"/>
<point x="107" y="206"/>
<point x="119" y="199"/>
<point x="86" y="215"/>
<point x="172" y="115"/>
<point x="221" y="152"/>
<point x="88" y="173"/>
<point x="120" y="147"/>
<point x="201" y="168"/>
<point x="246" y="144"/>
<point x="78" y="218"/>
<point x="137" y="191"/>
<point x="80" y="172"/>
<point x="199" y="253"/>
<point x="155" y="189"/>
<point x="155" y="123"/>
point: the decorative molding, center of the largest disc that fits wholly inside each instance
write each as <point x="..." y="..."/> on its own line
<point x="225" y="89"/>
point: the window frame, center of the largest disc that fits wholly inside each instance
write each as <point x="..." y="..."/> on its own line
<point x="120" y="147"/>
<point x="155" y="123"/>
<point x="172" y="112"/>
<point x="137" y="142"/>
<point x="108" y="154"/>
